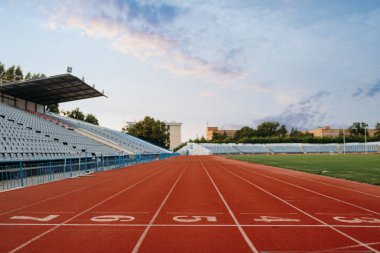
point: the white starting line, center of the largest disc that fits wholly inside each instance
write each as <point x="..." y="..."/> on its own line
<point x="186" y="225"/>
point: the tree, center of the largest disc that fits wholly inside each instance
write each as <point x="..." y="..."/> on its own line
<point x="75" y="114"/>
<point x="268" y="128"/>
<point x="2" y="71"/>
<point x="53" y="108"/>
<point x="377" y="129"/>
<point x="282" y="131"/>
<point x="245" y="132"/>
<point x="357" y="128"/>
<point x="91" y="118"/>
<point x="151" y="130"/>
<point x="9" y="74"/>
<point x="28" y="76"/>
<point x="296" y="133"/>
<point x="38" y="75"/>
<point x="18" y="76"/>
<point x="217" y="137"/>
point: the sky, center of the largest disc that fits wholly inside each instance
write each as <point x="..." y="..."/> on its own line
<point x="304" y="63"/>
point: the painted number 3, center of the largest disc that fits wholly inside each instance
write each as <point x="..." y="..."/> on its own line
<point x="357" y="220"/>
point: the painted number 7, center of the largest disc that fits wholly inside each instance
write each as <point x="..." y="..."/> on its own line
<point x="194" y="218"/>
<point x="44" y="219"/>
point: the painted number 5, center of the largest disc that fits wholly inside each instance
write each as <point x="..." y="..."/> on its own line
<point x="112" y="218"/>
<point x="194" y="218"/>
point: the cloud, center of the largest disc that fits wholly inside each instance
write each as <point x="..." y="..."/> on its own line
<point x="357" y="92"/>
<point x="206" y="94"/>
<point x="374" y="89"/>
<point x="146" y="31"/>
<point x="305" y="114"/>
<point x="154" y="14"/>
<point x="369" y="91"/>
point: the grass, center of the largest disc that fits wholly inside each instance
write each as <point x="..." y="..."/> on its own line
<point x="361" y="168"/>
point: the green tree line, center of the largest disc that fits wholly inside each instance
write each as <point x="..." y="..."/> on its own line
<point x="274" y="132"/>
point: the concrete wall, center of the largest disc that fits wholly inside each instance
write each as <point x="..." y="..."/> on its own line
<point x="175" y="134"/>
<point x="21" y="103"/>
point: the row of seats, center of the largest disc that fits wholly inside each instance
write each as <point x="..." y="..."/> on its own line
<point x="220" y="148"/>
<point x="124" y="140"/>
<point x="25" y="136"/>
<point x="279" y="148"/>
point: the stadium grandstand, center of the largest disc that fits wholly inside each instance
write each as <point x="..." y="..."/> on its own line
<point x="38" y="146"/>
<point x="278" y="148"/>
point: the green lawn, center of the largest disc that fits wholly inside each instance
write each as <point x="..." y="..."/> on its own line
<point x="361" y="168"/>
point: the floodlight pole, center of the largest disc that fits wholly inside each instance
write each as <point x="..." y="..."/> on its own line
<point x="344" y="143"/>
<point x="365" y="140"/>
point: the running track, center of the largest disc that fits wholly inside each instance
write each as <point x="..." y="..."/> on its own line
<point x="192" y="204"/>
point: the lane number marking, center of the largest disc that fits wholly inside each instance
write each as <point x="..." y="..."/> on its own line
<point x="184" y="218"/>
<point x="356" y="220"/>
<point x="276" y="219"/>
<point x="112" y="218"/>
<point x="44" y="219"/>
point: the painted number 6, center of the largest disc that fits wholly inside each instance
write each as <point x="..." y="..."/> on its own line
<point x="112" y="218"/>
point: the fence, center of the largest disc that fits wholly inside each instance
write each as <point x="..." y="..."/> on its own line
<point x="28" y="173"/>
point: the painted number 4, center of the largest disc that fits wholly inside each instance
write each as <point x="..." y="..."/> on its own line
<point x="275" y="219"/>
<point x="194" y="218"/>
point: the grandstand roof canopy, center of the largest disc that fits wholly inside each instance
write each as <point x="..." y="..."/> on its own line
<point x="51" y="90"/>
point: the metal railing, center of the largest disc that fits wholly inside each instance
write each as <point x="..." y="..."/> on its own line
<point x="19" y="174"/>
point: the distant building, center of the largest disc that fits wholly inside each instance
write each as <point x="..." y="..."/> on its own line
<point x="327" y="131"/>
<point x="211" y="130"/>
<point x="174" y="131"/>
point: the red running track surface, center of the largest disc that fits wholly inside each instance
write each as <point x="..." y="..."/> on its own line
<point x="192" y="204"/>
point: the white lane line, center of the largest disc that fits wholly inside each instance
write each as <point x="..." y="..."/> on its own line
<point x="267" y="213"/>
<point x="63" y="194"/>
<point x="346" y="247"/>
<point x="303" y="188"/>
<point x="340" y="187"/>
<point x="311" y="180"/>
<point x="197" y="213"/>
<point x="242" y="232"/>
<point x="182" y="225"/>
<point x="41" y="212"/>
<point x="142" y="237"/>
<point x="300" y="210"/>
<point x="126" y="212"/>
<point x="336" y="214"/>
<point x="88" y="209"/>
<point x="39" y="202"/>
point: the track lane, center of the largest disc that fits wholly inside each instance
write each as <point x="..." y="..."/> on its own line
<point x="349" y="191"/>
<point x="195" y="193"/>
<point x="71" y="207"/>
<point x="276" y="238"/>
<point x="13" y="200"/>
<point x="191" y="219"/>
